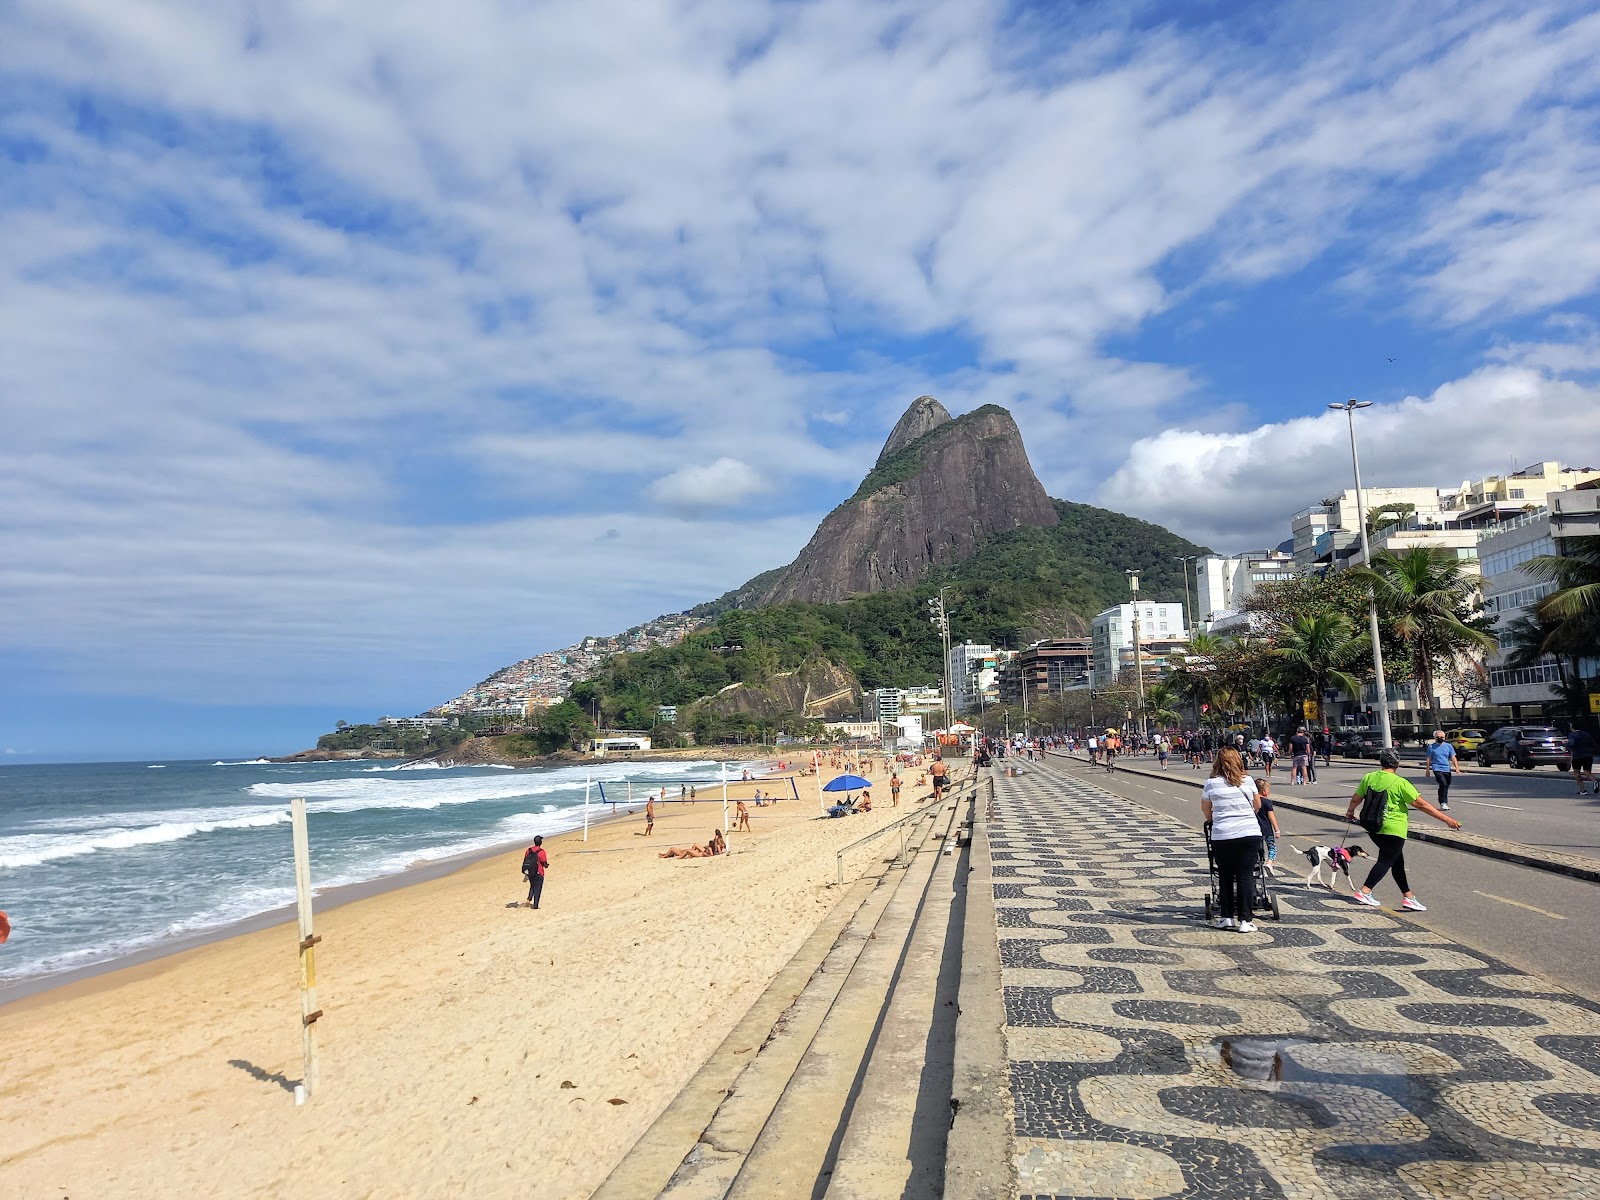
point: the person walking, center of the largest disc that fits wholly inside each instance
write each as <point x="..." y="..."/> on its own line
<point x="534" y="864"/>
<point x="1163" y="749"/>
<point x="649" y="816"/>
<point x="1389" y="825"/>
<point x="1229" y="803"/>
<point x="1442" y="762"/>
<point x="1581" y="743"/>
<point x="1300" y="757"/>
<point x="894" y="790"/>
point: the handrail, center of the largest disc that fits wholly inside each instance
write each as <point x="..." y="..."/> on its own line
<point x="922" y="811"/>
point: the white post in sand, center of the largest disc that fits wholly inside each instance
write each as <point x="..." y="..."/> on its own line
<point x="725" y="830"/>
<point x="586" y="783"/>
<point x="309" y="1012"/>
<point x="816" y="767"/>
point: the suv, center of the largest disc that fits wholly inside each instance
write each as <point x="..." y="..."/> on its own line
<point x="1465" y="740"/>
<point x="1525" y="746"/>
<point x="1357" y="745"/>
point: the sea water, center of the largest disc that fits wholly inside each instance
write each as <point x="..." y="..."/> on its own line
<point x="101" y="860"/>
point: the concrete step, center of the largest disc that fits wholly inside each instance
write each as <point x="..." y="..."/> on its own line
<point x="778" y="1027"/>
<point x="794" y="1152"/>
<point x="894" y="1144"/>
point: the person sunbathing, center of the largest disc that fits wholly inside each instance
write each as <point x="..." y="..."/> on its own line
<point x="711" y="849"/>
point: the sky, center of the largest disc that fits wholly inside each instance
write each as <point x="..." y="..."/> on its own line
<point x="351" y="352"/>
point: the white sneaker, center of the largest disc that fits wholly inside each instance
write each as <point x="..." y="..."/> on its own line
<point x="1412" y="904"/>
<point x="1247" y="927"/>
<point x="1368" y="899"/>
<point x="1224" y="922"/>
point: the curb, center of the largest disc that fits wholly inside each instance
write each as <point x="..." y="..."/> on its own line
<point x="1572" y="865"/>
<point x="977" y="1162"/>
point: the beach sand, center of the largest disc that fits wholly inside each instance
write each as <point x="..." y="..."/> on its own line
<point x="455" y="1024"/>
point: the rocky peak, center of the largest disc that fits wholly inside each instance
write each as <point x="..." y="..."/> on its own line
<point x="924" y="415"/>
<point x="929" y="501"/>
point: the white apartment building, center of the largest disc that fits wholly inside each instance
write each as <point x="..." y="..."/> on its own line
<point x="1509" y="593"/>
<point x="882" y="704"/>
<point x="1496" y="498"/>
<point x="973" y="676"/>
<point x="1224" y="583"/>
<point x="1111" y="634"/>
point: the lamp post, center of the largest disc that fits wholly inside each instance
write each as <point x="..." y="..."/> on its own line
<point x="941" y="622"/>
<point x="1188" y="607"/>
<point x="1349" y="409"/>
<point x="1138" y="660"/>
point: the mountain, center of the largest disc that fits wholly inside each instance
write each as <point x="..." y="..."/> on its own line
<point x="940" y="489"/>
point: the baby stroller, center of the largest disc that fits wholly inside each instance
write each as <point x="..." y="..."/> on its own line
<point x="1262" y="899"/>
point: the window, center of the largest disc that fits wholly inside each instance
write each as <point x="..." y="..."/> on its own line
<point x="1516" y="493"/>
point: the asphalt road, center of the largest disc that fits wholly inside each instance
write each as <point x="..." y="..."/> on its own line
<point x="1535" y="920"/>
<point x="1540" y="807"/>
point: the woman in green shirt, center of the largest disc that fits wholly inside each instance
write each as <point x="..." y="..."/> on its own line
<point x="1391" y="835"/>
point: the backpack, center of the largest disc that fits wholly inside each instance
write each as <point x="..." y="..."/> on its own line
<point x="1374" y="808"/>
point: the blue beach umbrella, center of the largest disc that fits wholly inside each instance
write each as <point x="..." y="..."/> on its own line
<point x="846" y="783"/>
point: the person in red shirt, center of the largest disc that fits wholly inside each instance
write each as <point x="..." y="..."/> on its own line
<point x="534" y="864"/>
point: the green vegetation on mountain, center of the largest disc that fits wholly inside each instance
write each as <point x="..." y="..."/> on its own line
<point x="1020" y="585"/>
<point x="907" y="461"/>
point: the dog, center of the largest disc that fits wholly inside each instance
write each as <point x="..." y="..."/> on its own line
<point x="1336" y="859"/>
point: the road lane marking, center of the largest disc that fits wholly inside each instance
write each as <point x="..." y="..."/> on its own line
<point x="1486" y="804"/>
<point x="1543" y="912"/>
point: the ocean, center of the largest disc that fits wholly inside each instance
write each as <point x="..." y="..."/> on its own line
<point x="103" y="860"/>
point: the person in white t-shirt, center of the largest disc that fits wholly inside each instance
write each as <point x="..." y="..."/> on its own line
<point x="1229" y="802"/>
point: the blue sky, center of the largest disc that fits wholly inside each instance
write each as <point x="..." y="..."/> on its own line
<point x="354" y="351"/>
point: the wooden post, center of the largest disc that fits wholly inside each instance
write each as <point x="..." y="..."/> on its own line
<point x="309" y="1012"/>
<point x="816" y="764"/>
<point x="586" y="783"/>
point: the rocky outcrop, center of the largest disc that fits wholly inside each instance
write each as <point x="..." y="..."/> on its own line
<point x="924" y="416"/>
<point x="819" y="689"/>
<point x="930" y="501"/>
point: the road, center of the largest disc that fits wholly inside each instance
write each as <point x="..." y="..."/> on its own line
<point x="1532" y="919"/>
<point x="1537" y="808"/>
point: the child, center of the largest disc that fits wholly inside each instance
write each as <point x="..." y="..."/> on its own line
<point x="1267" y="818"/>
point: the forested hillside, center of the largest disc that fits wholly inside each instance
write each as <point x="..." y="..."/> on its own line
<point x="1021" y="585"/>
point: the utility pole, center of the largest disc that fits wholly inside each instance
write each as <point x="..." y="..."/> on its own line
<point x="941" y="621"/>
<point x="1188" y="607"/>
<point x="1138" y="659"/>
<point x="1349" y="408"/>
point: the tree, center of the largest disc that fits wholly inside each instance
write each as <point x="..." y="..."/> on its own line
<point x="1313" y="653"/>
<point x="1429" y="604"/>
<point x="1386" y="516"/>
<point x="1161" y="701"/>
<point x="562" y="726"/>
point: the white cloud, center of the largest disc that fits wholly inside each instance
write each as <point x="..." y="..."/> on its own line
<point x="328" y="327"/>
<point x="698" y="487"/>
<point x="1236" y="491"/>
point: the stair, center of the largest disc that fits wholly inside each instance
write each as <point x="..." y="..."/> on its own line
<point x="771" y="1124"/>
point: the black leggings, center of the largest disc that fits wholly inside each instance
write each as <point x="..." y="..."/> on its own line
<point x="1391" y="857"/>
<point x="535" y="889"/>
<point x="1236" y="861"/>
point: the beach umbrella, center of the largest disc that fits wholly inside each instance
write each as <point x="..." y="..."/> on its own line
<point x="846" y="783"/>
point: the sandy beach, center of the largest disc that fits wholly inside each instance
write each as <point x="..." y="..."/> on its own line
<point x="469" y="1047"/>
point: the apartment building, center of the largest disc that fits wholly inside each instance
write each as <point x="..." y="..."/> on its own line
<point x="1045" y="668"/>
<point x="973" y="674"/>
<point x="1111" y="634"/>
<point x="1510" y="593"/>
<point x="882" y="704"/>
<point x="1224" y="582"/>
<point x="1494" y="499"/>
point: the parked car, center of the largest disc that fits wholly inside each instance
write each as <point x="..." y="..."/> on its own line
<point x="1466" y="741"/>
<point x="1526" y="746"/>
<point x="1357" y="745"/>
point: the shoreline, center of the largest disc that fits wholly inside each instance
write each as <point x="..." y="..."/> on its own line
<point x="455" y="1017"/>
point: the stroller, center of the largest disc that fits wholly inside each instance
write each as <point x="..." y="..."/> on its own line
<point x="1262" y="900"/>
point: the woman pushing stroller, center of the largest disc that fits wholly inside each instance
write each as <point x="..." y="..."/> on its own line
<point x="1229" y="802"/>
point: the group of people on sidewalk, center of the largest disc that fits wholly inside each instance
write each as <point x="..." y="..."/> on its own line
<point x="1241" y="832"/>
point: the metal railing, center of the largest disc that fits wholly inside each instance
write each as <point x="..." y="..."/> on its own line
<point x="927" y="810"/>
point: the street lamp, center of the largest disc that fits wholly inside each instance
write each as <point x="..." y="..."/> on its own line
<point x="1349" y="409"/>
<point x="1186" y="559"/>
<point x="941" y="621"/>
<point x="1138" y="661"/>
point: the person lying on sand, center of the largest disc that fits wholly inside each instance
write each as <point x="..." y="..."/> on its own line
<point x="711" y="849"/>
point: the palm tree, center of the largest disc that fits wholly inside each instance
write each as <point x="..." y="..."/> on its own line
<point x="1313" y="652"/>
<point x="1428" y="602"/>
<point x="1161" y="702"/>
<point x="1570" y="615"/>
<point x="1194" y="673"/>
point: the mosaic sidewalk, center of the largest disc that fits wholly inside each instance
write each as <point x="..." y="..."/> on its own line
<point x="1339" y="1053"/>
